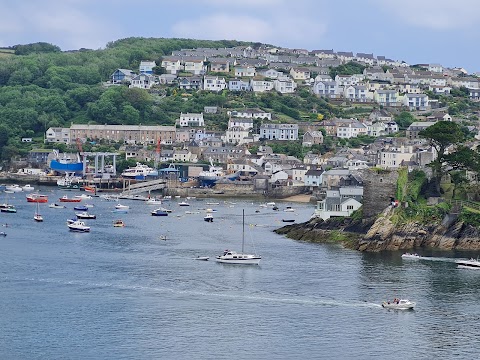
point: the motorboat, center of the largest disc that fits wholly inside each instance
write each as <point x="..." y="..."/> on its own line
<point x="159" y="212"/>
<point x="213" y="203"/>
<point x="468" y="264"/>
<point x="289" y="209"/>
<point x="191" y="212"/>
<point x="80" y="208"/>
<point x="84" y="196"/>
<point x="56" y="206"/>
<point x="183" y="203"/>
<point x="13" y="188"/>
<point x="37" y="198"/>
<point x="27" y="188"/>
<point x="271" y="203"/>
<point x="208" y="218"/>
<point x="139" y="172"/>
<point x="118" y="223"/>
<point x="232" y="257"/>
<point x="153" y="202"/>
<point x="7" y="208"/>
<point x="121" y="208"/>
<point x="85" y="215"/>
<point x="65" y="198"/>
<point x="399" y="304"/>
<point x="410" y="256"/>
<point x="210" y="210"/>
<point x="78" y="226"/>
<point x="202" y="258"/>
<point x="3" y="233"/>
<point x="288" y="220"/>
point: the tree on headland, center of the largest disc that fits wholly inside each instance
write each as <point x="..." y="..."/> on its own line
<point x="441" y="136"/>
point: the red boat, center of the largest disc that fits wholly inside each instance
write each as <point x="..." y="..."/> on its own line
<point x="37" y="198"/>
<point x="65" y="198"/>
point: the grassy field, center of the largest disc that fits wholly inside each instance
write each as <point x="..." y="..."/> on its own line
<point x="6" y="52"/>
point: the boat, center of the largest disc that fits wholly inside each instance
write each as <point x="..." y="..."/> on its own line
<point x="214" y="174"/>
<point x="69" y="182"/>
<point x="159" y="212"/>
<point x="121" y="208"/>
<point x="183" y="203"/>
<point x="80" y="208"/>
<point x="203" y="258"/>
<point x="3" y="233"/>
<point x="398" y="304"/>
<point x="66" y="164"/>
<point x="213" y="203"/>
<point x="13" y="188"/>
<point x="118" y="223"/>
<point x="83" y="196"/>
<point x="56" y="206"/>
<point x="208" y="218"/>
<point x="37" y="217"/>
<point x="153" y="202"/>
<point x="7" y="208"/>
<point x="288" y="220"/>
<point x="410" y="256"/>
<point x="139" y="172"/>
<point x="271" y="203"/>
<point x="65" y="198"/>
<point x="71" y="221"/>
<point x="232" y="257"/>
<point x="85" y="215"/>
<point x="468" y="264"/>
<point x="27" y="188"/>
<point x="289" y="209"/>
<point x="37" y="198"/>
<point x="78" y="226"/>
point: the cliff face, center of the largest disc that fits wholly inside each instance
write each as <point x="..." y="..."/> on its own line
<point x="382" y="234"/>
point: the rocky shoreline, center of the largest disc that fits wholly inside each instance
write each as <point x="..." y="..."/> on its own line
<point x="382" y="234"/>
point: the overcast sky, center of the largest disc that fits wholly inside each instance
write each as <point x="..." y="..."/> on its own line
<point x="416" y="31"/>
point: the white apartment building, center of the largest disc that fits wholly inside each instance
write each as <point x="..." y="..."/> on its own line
<point x="279" y="131"/>
<point x="191" y="119"/>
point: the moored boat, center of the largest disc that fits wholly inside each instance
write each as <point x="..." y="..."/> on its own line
<point x="56" y="206"/>
<point x="183" y="203"/>
<point x="13" y="188"/>
<point x="37" y="198"/>
<point x="208" y="218"/>
<point x="159" y="212"/>
<point x="118" y="223"/>
<point x="78" y="226"/>
<point x="121" y="208"/>
<point x="65" y="198"/>
<point x="85" y="215"/>
<point x="410" y="256"/>
<point x="27" y="188"/>
<point x="80" y="208"/>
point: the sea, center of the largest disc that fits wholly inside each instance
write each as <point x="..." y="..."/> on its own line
<point x="138" y="292"/>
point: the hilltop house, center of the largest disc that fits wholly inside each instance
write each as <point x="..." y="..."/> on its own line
<point x="121" y="76"/>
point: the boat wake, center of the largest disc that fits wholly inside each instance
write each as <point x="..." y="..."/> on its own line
<point x="228" y="295"/>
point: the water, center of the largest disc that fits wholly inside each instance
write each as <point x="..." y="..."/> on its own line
<point x="123" y="293"/>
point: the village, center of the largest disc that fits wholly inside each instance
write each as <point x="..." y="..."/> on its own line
<point x="332" y="179"/>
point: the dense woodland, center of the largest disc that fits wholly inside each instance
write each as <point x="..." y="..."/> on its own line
<point x="42" y="87"/>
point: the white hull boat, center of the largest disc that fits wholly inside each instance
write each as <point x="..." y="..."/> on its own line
<point x="468" y="264"/>
<point x="398" y="304"/>
<point x="410" y="256"/>
<point x="78" y="226"/>
<point x="232" y="257"/>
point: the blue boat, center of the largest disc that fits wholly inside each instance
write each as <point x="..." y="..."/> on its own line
<point x="81" y="208"/>
<point x="159" y="212"/>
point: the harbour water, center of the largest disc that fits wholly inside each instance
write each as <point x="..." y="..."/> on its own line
<point x="125" y="293"/>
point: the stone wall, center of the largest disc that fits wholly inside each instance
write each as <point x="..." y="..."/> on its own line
<point x="378" y="187"/>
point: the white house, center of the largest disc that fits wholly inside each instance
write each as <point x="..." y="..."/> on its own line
<point x="351" y="129"/>
<point x="285" y="86"/>
<point x="214" y="83"/>
<point x="328" y="89"/>
<point x="57" y="135"/>
<point x="245" y="71"/>
<point x="279" y="131"/>
<point x="172" y="64"/>
<point x="146" y="67"/>
<point x="142" y="81"/>
<point x="336" y="205"/>
<point x="246" y="123"/>
<point x="260" y="85"/>
<point x="346" y="80"/>
<point x="416" y="101"/>
<point x="357" y="93"/>
<point x="250" y="113"/>
<point x="191" y="119"/>
<point x="235" y="134"/>
<point x="195" y="66"/>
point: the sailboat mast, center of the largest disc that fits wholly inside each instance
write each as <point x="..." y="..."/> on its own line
<point x="243" y="230"/>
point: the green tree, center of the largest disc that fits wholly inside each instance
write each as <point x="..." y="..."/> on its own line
<point x="441" y="135"/>
<point x="404" y="119"/>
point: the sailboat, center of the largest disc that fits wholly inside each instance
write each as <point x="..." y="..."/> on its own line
<point x="232" y="257"/>
<point x="37" y="217"/>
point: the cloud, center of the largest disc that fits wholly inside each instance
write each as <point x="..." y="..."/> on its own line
<point x="434" y="14"/>
<point x="243" y="3"/>
<point x="279" y="29"/>
<point x="65" y="23"/>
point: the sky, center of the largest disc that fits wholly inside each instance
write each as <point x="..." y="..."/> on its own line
<point x="415" y="31"/>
